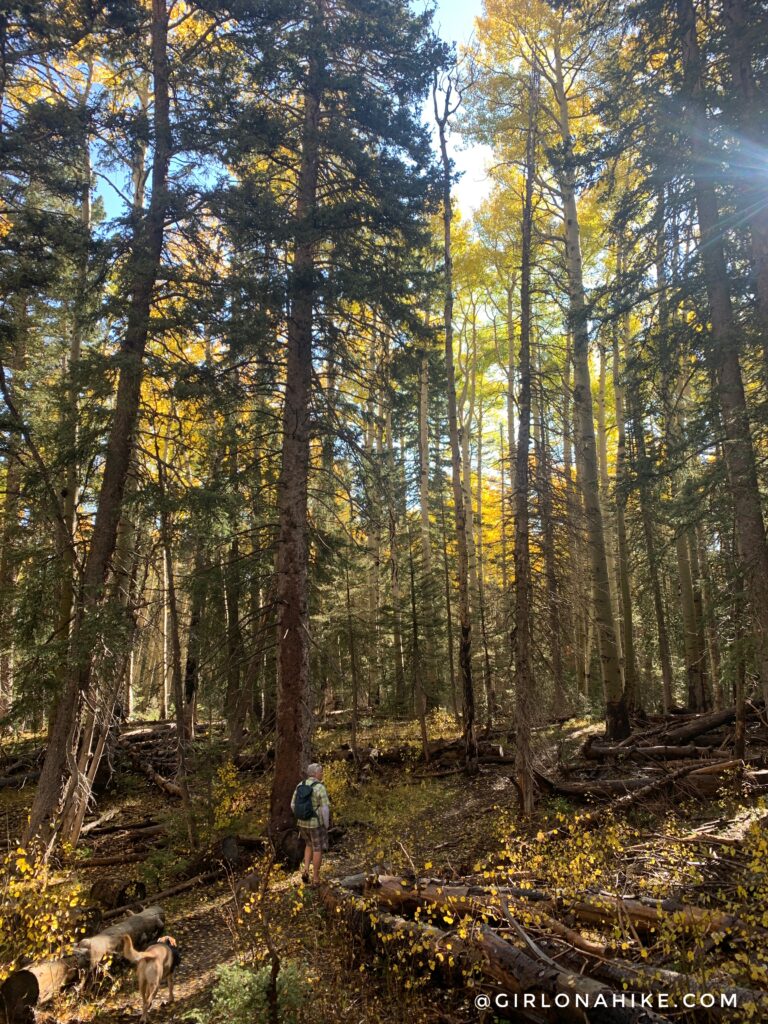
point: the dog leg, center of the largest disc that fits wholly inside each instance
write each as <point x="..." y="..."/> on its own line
<point x="151" y="995"/>
<point x="170" y="988"/>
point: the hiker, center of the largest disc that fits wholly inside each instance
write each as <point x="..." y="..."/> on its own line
<point x="313" y="812"/>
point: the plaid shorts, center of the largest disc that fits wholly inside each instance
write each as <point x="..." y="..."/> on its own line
<point x="315" y="837"/>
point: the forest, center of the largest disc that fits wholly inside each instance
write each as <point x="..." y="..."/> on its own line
<point x="307" y="460"/>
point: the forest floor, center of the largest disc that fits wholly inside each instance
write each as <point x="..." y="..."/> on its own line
<point x="395" y="820"/>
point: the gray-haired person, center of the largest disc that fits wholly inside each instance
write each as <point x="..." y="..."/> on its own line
<point x="312" y="808"/>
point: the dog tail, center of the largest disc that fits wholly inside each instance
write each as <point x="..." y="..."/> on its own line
<point x="129" y="952"/>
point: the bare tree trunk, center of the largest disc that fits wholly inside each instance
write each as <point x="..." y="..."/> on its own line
<point x="292" y="720"/>
<point x="625" y="585"/>
<point x="465" y="618"/>
<point x="145" y="266"/>
<point x="448" y="611"/>
<point x="373" y="432"/>
<point x="10" y="529"/>
<point x="523" y="641"/>
<point x="192" y="662"/>
<point x="416" y="661"/>
<point x="705" y="688"/>
<point x="512" y="443"/>
<point x="182" y="777"/>
<point x="353" y="667"/>
<point x="710" y="623"/>
<point x="752" y="550"/>
<point x="616" y="718"/>
<point x="740" y="39"/>
<point x="487" y="672"/>
<point x="394" y="566"/>
<point x="607" y="507"/>
<point x="544" y="474"/>
<point x="426" y="544"/>
<point x="576" y="604"/>
<point x="236" y="698"/>
<point x="644" y="471"/>
<point x="70" y="416"/>
<point x="165" y="677"/>
<point x="354" y="671"/>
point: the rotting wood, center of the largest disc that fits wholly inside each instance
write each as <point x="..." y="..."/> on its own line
<point x="171" y="788"/>
<point x="174" y="890"/>
<point x="142" y="927"/>
<point x="482" y="950"/>
<point x="35" y="985"/>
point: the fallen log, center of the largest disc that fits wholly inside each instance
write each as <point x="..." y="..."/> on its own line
<point x="704" y="779"/>
<point x="488" y="902"/>
<point x="558" y="994"/>
<point x="599" y="752"/>
<point x="37" y="984"/>
<point x="644" y="978"/>
<point x="699" y="725"/>
<point x="648" y="916"/>
<point x="445" y="955"/>
<point x="117" y="892"/>
<point x="171" y="788"/>
<point x="117" y="860"/>
<point x="551" y="992"/>
<point x="18" y="781"/>
<point x="478" y="901"/>
<point x="97" y="825"/>
<point x="33" y="986"/>
<point x="175" y="890"/>
<point x="681" y="728"/>
<point x="142" y="928"/>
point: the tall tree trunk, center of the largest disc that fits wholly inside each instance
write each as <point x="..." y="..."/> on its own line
<point x="416" y="661"/>
<point x="544" y="487"/>
<point x="644" y="471"/>
<point x="752" y="549"/>
<point x="353" y="667"/>
<point x="70" y="431"/>
<point x="182" y="776"/>
<point x="710" y="621"/>
<point x="448" y="610"/>
<point x="165" y="675"/>
<point x="511" y="441"/>
<point x="523" y="641"/>
<point x="192" y="661"/>
<point x="575" y="583"/>
<point x="616" y="717"/>
<point x="236" y="698"/>
<point x="741" y="37"/>
<point x="465" y="618"/>
<point x="393" y="497"/>
<point x="487" y="672"/>
<point x="10" y="526"/>
<point x="428" y="588"/>
<point x="705" y="688"/>
<point x="145" y="264"/>
<point x="625" y="584"/>
<point x="292" y="719"/>
<point x="373" y="446"/>
<point x="607" y="507"/>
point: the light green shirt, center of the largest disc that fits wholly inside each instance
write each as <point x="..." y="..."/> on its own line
<point x="320" y="804"/>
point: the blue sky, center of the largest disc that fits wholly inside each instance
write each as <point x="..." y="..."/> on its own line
<point x="454" y="20"/>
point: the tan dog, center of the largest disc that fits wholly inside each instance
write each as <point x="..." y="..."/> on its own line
<point x="155" y="964"/>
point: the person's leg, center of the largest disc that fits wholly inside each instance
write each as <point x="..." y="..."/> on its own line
<point x="317" y="857"/>
<point x="307" y="859"/>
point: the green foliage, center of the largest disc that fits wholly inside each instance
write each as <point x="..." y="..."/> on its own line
<point x="240" y="995"/>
